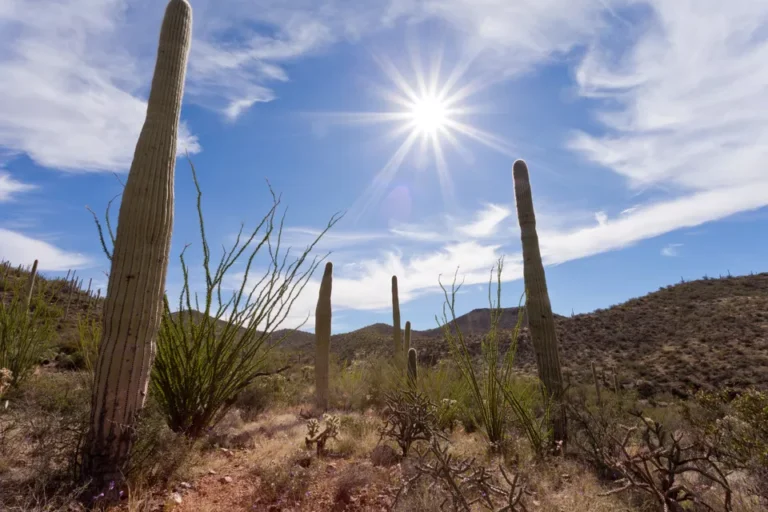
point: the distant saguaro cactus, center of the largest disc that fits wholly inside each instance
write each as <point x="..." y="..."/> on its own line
<point x="597" y="382"/>
<point x="323" y="338"/>
<point x="31" y="283"/>
<point x="407" y="337"/>
<point x="540" y="319"/>
<point x="133" y="305"/>
<point x="413" y="370"/>
<point x="396" y="334"/>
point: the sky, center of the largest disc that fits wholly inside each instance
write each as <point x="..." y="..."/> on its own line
<point x="643" y="123"/>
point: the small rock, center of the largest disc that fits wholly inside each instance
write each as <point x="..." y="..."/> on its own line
<point x="211" y="472"/>
<point x="176" y="498"/>
<point x="226" y="480"/>
<point x="185" y="485"/>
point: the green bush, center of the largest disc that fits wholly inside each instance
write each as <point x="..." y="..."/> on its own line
<point x="445" y="387"/>
<point x="25" y="333"/>
<point x="270" y="391"/>
<point x="361" y="384"/>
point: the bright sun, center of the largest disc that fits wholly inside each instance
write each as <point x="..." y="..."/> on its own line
<point x="429" y="112"/>
<point x="429" y="115"/>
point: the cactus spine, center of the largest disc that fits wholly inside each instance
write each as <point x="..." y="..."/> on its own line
<point x="396" y="335"/>
<point x="407" y="338"/>
<point x="133" y="305"/>
<point x="323" y="338"/>
<point x="540" y="320"/>
<point x="413" y="370"/>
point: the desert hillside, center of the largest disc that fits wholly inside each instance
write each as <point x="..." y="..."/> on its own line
<point x="708" y="333"/>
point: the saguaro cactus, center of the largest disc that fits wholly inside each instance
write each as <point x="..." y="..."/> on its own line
<point x="396" y="334"/>
<point x="323" y="338"/>
<point x="31" y="284"/>
<point x="413" y="371"/>
<point x="407" y="338"/>
<point x="540" y="320"/>
<point x="133" y="305"/>
<point x="597" y="382"/>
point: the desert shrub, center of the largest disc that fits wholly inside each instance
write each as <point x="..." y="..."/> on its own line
<point x="488" y="381"/>
<point x="461" y="485"/>
<point x="352" y="479"/>
<point x="674" y="468"/>
<point x="158" y="454"/>
<point x="25" y="333"/>
<point x="593" y="429"/>
<point x="88" y="339"/>
<point x="266" y="392"/>
<point x="530" y="413"/>
<point x="282" y="484"/>
<point x="409" y="416"/>
<point x="444" y="385"/>
<point x="737" y="424"/>
<point x="361" y="384"/>
<point x="208" y="354"/>
<point x="41" y="431"/>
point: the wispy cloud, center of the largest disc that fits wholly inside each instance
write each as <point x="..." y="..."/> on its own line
<point x="486" y="222"/>
<point x="22" y="249"/>
<point x="76" y="72"/>
<point x="671" y="250"/>
<point x="682" y="119"/>
<point x="72" y="91"/>
<point x="9" y="187"/>
<point x="418" y="269"/>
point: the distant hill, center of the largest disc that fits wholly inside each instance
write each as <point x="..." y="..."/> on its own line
<point x="709" y="333"/>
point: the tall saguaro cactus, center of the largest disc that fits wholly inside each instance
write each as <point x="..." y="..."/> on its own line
<point x="396" y="334"/>
<point x="133" y="305"/>
<point x="539" y="310"/>
<point x="323" y="338"/>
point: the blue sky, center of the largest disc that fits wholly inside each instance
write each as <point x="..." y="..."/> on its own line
<point x="642" y="123"/>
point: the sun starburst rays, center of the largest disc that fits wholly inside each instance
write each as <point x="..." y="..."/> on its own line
<point x="430" y="114"/>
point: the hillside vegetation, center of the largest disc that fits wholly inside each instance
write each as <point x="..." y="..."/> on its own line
<point x="704" y="334"/>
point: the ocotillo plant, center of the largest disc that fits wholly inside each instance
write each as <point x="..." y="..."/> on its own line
<point x="396" y="335"/>
<point x="323" y="339"/>
<point x="407" y="338"/>
<point x="540" y="320"/>
<point x="134" y="301"/>
<point x="413" y="371"/>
